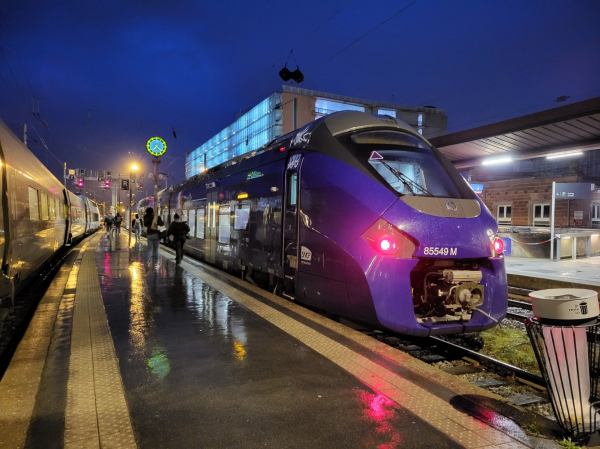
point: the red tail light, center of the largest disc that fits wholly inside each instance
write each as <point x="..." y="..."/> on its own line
<point x="498" y="246"/>
<point x="387" y="244"/>
<point x="389" y="240"/>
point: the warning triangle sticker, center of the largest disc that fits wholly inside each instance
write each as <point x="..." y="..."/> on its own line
<point x="375" y="156"/>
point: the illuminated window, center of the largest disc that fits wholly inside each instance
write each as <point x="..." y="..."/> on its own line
<point x="224" y="224"/>
<point x="324" y="107"/>
<point x="53" y="208"/>
<point x="595" y="215"/>
<point x="242" y="215"/>
<point x="192" y="222"/>
<point x="292" y="189"/>
<point x="420" y="120"/>
<point x="200" y="223"/>
<point x="390" y="112"/>
<point x="34" y="205"/>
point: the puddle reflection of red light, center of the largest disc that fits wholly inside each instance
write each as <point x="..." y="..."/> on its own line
<point x="380" y="410"/>
<point x="107" y="264"/>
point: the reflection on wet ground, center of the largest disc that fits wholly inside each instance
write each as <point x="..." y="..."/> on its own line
<point x="200" y="370"/>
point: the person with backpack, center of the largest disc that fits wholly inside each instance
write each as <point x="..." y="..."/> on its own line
<point x="118" y="222"/>
<point x="151" y="223"/>
<point x="136" y="225"/>
<point x="178" y="231"/>
<point x="109" y="221"/>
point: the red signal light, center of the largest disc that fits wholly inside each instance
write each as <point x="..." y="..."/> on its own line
<point x="498" y="246"/>
<point x="80" y="183"/>
<point x="282" y="149"/>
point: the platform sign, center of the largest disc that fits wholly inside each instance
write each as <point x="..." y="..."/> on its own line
<point x="477" y="188"/>
<point x="578" y="217"/>
<point x="573" y="191"/>
<point x="507" y="245"/>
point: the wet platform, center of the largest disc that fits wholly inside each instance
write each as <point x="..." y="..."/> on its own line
<point x="119" y="355"/>
<point x="540" y="274"/>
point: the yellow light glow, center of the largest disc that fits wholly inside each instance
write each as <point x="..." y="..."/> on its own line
<point x="134" y="167"/>
<point x="242" y="196"/>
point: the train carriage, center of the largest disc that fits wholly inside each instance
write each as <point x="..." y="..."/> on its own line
<point x="33" y="223"/>
<point x="356" y="215"/>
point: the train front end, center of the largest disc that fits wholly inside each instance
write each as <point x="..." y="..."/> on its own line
<point x="431" y="261"/>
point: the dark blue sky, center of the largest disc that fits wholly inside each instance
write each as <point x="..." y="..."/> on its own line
<point x="110" y="74"/>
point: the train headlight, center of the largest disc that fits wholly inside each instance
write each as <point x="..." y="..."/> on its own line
<point x="497" y="246"/>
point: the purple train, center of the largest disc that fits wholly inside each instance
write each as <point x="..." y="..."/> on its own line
<point x="357" y="215"/>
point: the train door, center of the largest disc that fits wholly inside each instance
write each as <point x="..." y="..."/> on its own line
<point x="290" y="224"/>
<point x="67" y="217"/>
<point x="210" y="241"/>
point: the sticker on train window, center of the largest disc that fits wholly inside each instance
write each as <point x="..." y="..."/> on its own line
<point x="255" y="174"/>
<point x="439" y="251"/>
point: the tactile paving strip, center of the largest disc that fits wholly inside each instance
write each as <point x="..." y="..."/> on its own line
<point x="459" y="427"/>
<point x="96" y="415"/>
<point x="22" y="378"/>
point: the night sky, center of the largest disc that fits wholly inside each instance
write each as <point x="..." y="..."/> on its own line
<point x="94" y="80"/>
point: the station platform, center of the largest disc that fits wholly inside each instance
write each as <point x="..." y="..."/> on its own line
<point x="541" y="274"/>
<point x="118" y="355"/>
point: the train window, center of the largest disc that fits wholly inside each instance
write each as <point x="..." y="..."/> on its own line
<point x="241" y="217"/>
<point x="191" y="220"/>
<point x="200" y="223"/>
<point x="52" y="209"/>
<point x="224" y="224"/>
<point x="292" y="189"/>
<point x="34" y="205"/>
<point x="44" y="203"/>
<point x="407" y="164"/>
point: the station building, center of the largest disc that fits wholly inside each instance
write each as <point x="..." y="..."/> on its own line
<point x="514" y="163"/>
<point x="292" y="108"/>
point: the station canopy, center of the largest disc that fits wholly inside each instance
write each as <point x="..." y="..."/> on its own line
<point x="574" y="127"/>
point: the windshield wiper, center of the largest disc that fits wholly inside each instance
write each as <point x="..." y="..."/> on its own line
<point x="406" y="181"/>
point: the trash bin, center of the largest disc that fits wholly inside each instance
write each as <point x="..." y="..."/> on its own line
<point x="564" y="334"/>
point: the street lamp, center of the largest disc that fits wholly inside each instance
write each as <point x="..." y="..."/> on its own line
<point x="131" y="175"/>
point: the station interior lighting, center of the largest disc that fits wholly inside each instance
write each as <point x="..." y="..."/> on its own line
<point x="498" y="160"/>
<point x="565" y="154"/>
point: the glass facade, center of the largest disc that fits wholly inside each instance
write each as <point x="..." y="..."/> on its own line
<point x="324" y="107"/>
<point x="390" y="112"/>
<point x="255" y="128"/>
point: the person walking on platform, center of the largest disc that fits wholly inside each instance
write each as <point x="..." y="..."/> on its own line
<point x="151" y="223"/>
<point x="136" y="225"/>
<point x="109" y="221"/>
<point x="118" y="222"/>
<point x="178" y="231"/>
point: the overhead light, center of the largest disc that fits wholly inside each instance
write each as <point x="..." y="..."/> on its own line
<point x="499" y="160"/>
<point x="565" y="154"/>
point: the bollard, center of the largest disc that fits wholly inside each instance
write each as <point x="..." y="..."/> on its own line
<point x="564" y="334"/>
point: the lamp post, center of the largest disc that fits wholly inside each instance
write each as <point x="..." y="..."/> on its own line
<point x="133" y="168"/>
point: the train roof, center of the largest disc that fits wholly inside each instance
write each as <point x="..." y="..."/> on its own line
<point x="337" y="123"/>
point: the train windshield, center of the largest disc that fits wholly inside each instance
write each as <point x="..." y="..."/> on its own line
<point x="406" y="163"/>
